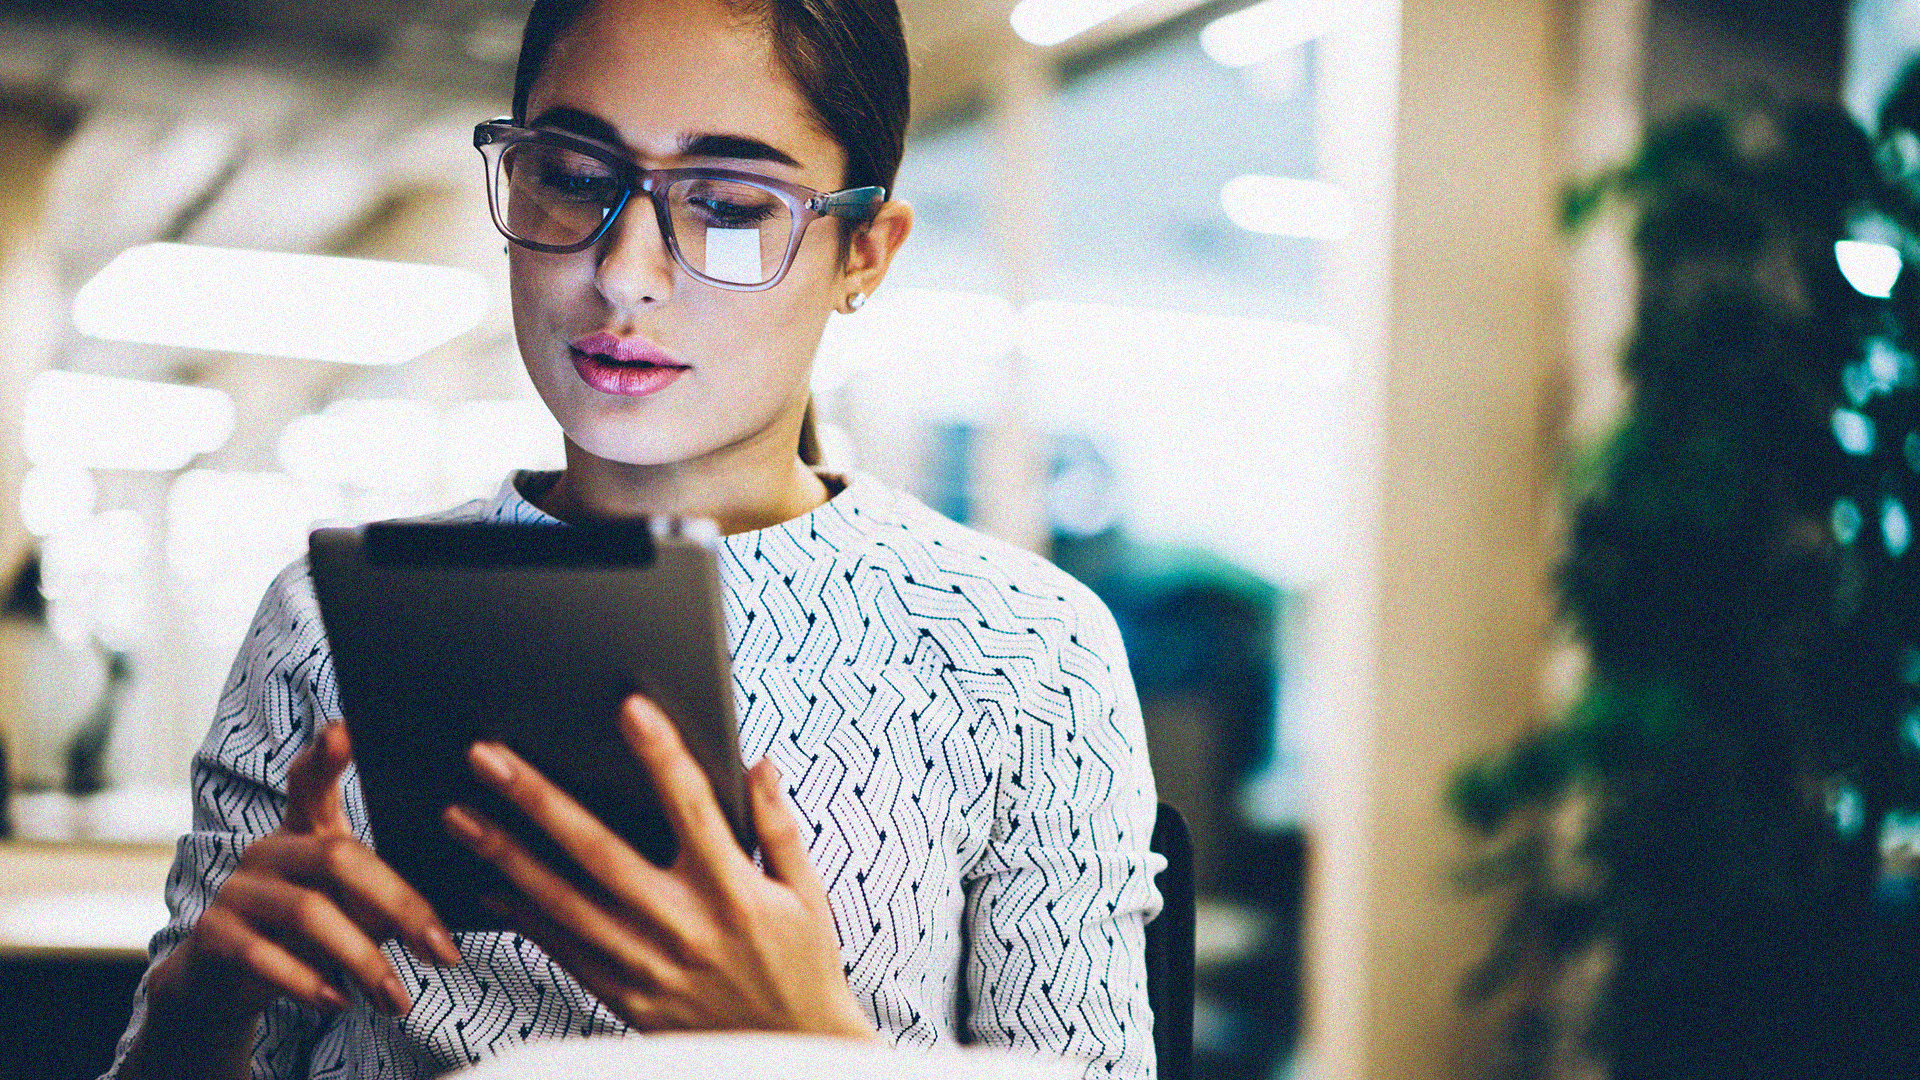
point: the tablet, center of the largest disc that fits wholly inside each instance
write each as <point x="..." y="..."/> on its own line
<point x="445" y="633"/>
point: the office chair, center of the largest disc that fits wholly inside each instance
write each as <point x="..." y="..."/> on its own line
<point x="1170" y="948"/>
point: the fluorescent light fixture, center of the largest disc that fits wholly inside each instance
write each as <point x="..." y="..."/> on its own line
<point x="56" y="499"/>
<point x="1870" y="268"/>
<point x="309" y="307"/>
<point x="1255" y="33"/>
<point x="1050" y="22"/>
<point x="222" y="524"/>
<point x="95" y="578"/>
<point x="385" y="444"/>
<point x="97" y="422"/>
<point x="1284" y="206"/>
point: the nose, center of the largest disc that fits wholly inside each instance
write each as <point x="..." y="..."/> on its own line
<point x="635" y="269"/>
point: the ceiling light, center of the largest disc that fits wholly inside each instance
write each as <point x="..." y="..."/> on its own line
<point x="218" y="523"/>
<point x="385" y="444"/>
<point x="1253" y="34"/>
<point x="311" y="307"/>
<point x="1050" y="22"/>
<point x="56" y="498"/>
<point x="1284" y="206"/>
<point x="93" y="421"/>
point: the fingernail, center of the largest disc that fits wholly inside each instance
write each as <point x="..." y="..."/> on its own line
<point x="641" y="713"/>
<point x="490" y="760"/>
<point x="396" y="995"/>
<point x="440" y="943"/>
<point x="334" y="999"/>
<point x="462" y="824"/>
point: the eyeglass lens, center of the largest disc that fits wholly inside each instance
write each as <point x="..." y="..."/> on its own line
<point x="728" y="230"/>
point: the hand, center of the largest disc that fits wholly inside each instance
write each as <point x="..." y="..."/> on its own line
<point x="712" y="942"/>
<point x="305" y="896"/>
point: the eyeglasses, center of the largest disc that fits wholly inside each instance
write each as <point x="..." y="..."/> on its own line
<point x="554" y="192"/>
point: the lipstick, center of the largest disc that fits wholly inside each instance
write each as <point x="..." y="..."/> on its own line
<point x="628" y="367"/>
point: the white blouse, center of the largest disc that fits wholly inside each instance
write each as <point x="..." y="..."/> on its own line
<point x="957" y="726"/>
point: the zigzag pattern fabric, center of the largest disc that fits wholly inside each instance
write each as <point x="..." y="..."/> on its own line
<point x="959" y="731"/>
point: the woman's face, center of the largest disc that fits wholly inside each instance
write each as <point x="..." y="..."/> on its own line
<point x="655" y="78"/>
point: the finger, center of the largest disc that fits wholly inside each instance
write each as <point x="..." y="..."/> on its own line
<point x="686" y="795"/>
<point x="313" y="782"/>
<point x="224" y="935"/>
<point x="627" y="994"/>
<point x="781" y="841"/>
<point x="312" y="918"/>
<point x="371" y="894"/>
<point x="552" y="894"/>
<point x="377" y="898"/>
<point x="618" y="868"/>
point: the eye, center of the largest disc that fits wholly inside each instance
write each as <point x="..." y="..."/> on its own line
<point x="728" y="214"/>
<point x="725" y="204"/>
<point x="555" y="175"/>
<point x="579" y="186"/>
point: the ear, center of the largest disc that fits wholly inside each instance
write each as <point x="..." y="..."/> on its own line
<point x="870" y="251"/>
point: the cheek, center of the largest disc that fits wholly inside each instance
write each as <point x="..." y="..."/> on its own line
<point x="775" y="333"/>
<point x="544" y="288"/>
<point x="782" y="326"/>
<point x="816" y="281"/>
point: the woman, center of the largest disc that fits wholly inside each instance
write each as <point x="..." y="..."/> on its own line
<point x="953" y="718"/>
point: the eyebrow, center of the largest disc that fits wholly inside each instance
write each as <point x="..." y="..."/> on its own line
<point x="704" y="144"/>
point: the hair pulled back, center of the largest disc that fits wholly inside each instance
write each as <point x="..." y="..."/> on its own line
<point x="848" y="58"/>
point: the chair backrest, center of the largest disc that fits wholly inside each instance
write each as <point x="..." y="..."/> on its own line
<point x="1170" y="948"/>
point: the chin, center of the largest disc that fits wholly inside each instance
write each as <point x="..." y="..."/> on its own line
<point x="633" y="444"/>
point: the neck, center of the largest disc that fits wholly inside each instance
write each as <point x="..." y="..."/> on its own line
<point x="739" y="491"/>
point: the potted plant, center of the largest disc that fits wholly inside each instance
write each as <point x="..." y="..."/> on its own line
<point x="1709" y="854"/>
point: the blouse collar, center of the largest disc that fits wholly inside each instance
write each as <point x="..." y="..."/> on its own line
<point x="845" y="520"/>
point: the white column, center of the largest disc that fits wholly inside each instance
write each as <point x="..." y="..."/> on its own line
<point x="1424" y="642"/>
<point x="1009" y="469"/>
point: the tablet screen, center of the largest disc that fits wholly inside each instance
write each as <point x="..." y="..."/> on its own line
<point x="530" y="634"/>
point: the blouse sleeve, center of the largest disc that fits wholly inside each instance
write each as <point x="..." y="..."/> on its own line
<point x="1057" y="905"/>
<point x="280" y="690"/>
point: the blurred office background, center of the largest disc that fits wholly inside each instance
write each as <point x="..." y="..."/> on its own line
<point x="1254" y="315"/>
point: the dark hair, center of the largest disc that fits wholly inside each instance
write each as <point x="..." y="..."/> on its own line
<point x="847" y="57"/>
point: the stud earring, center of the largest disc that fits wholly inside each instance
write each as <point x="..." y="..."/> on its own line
<point x="857" y="301"/>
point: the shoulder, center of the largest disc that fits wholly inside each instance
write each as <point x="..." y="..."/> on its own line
<point x="994" y="600"/>
<point x="286" y="634"/>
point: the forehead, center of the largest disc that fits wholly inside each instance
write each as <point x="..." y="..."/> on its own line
<point x="660" y="70"/>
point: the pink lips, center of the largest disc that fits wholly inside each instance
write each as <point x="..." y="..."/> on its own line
<point x="630" y="367"/>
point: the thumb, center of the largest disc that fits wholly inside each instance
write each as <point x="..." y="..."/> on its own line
<point x="313" y="782"/>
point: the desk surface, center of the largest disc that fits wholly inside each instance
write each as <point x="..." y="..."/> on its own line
<point x="81" y="901"/>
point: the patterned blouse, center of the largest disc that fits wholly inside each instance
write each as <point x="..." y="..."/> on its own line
<point x="957" y="726"/>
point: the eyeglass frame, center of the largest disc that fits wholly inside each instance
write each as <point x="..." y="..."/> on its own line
<point x="492" y="138"/>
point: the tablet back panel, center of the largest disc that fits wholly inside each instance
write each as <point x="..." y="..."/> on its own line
<point x="444" y="634"/>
